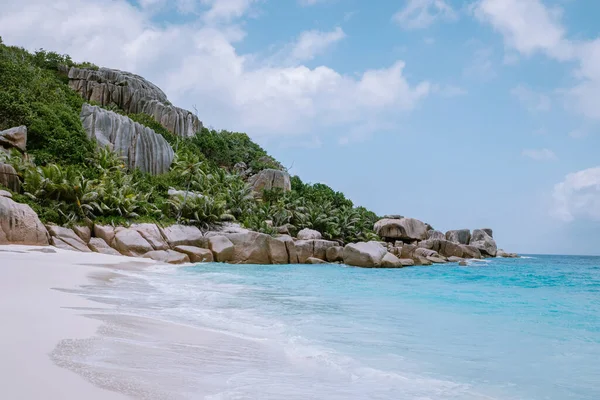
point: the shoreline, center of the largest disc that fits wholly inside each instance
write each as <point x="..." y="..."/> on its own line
<point x="38" y="312"/>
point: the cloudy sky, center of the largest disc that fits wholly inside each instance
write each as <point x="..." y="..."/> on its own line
<point x="462" y="113"/>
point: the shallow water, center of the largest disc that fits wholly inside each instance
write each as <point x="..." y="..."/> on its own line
<point x="504" y="329"/>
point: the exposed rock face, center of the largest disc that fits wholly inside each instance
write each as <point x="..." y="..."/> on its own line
<point x="290" y="246"/>
<point x="84" y="232"/>
<point x="4" y="193"/>
<point x="67" y="239"/>
<point x="98" y="245"/>
<point x="470" y="252"/>
<point x="313" y="260"/>
<point x="504" y="254"/>
<point x="335" y="254"/>
<point x="316" y="248"/>
<point x="140" y="146"/>
<point x="269" y="179"/>
<point x="181" y="235"/>
<point x="106" y="233"/>
<point x="484" y="242"/>
<point x="488" y="231"/>
<point x="433" y="234"/>
<point x="460" y="236"/>
<point x="9" y="178"/>
<point x="407" y="262"/>
<point x="364" y="254"/>
<point x="19" y="224"/>
<point x="221" y="247"/>
<point x="167" y="256"/>
<point x="252" y="248"/>
<point x="407" y="229"/>
<point x="133" y="94"/>
<point x="14" y="138"/>
<point x="196" y="254"/>
<point x="152" y="234"/>
<point x="308" y="234"/>
<point x="130" y="243"/>
<point x="391" y="261"/>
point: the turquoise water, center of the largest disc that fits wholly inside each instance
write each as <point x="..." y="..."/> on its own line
<point x="505" y="329"/>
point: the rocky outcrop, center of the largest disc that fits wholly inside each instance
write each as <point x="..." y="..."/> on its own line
<point x="84" y="233"/>
<point x="470" y="252"/>
<point x="67" y="239"/>
<point x="364" y="254"/>
<point x="460" y="236"/>
<point x="196" y="254"/>
<point x="130" y="243"/>
<point x="391" y="261"/>
<point x="484" y="242"/>
<point x="335" y="254"/>
<point x="316" y="248"/>
<point x="308" y="234"/>
<point x="19" y="224"/>
<point x="9" y="177"/>
<point x="14" y="138"/>
<point x="105" y="232"/>
<point x="405" y="229"/>
<point x="433" y="234"/>
<point x="182" y="235"/>
<point x="314" y="260"/>
<point x="504" y="254"/>
<point x="270" y="179"/>
<point x="221" y="247"/>
<point x="167" y="256"/>
<point x="152" y="234"/>
<point x="290" y="247"/>
<point x="251" y="248"/>
<point x="140" y="146"/>
<point x="98" y="245"/>
<point x="133" y="94"/>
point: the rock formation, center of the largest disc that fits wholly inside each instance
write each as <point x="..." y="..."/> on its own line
<point x="366" y="255"/>
<point x="14" y="138"/>
<point x="9" y="177"/>
<point x="405" y="229"/>
<point x="461" y="236"/>
<point x="308" y="234"/>
<point x="484" y="242"/>
<point x="140" y="146"/>
<point x="269" y="179"/>
<point x="133" y="94"/>
<point x="19" y="224"/>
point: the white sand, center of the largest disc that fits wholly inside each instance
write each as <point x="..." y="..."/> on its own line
<point x="35" y="317"/>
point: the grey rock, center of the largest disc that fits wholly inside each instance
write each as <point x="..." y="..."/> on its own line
<point x="463" y="263"/>
<point x="454" y="259"/>
<point x="489" y="231"/>
<point x="152" y="234"/>
<point x="484" y="242"/>
<point x="308" y="234"/>
<point x="407" y="262"/>
<point x="84" y="232"/>
<point x="364" y="254"/>
<point x="313" y="260"/>
<point x="290" y="246"/>
<point x="504" y="254"/>
<point x="4" y="193"/>
<point x="221" y="247"/>
<point x="269" y="179"/>
<point x="316" y="248"/>
<point x="256" y="248"/>
<point x="391" y="261"/>
<point x="460" y="236"/>
<point x="320" y="248"/>
<point x="98" y="245"/>
<point x="140" y="147"/>
<point x="14" y="138"/>
<point x="130" y="243"/>
<point x="9" y="178"/>
<point x="65" y="236"/>
<point x="106" y="233"/>
<point x="436" y="260"/>
<point x="408" y="229"/>
<point x="167" y="256"/>
<point x="335" y="254"/>
<point x="470" y="252"/>
<point x="182" y="235"/>
<point x="450" y="249"/>
<point x="422" y="252"/>
<point x="133" y="94"/>
<point x="196" y="254"/>
<point x="433" y="234"/>
<point x="19" y="224"/>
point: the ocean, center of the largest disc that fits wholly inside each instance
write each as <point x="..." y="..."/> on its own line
<point x="507" y="329"/>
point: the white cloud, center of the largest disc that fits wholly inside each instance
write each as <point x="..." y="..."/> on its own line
<point x="531" y="100"/>
<point x="450" y="90"/>
<point x="577" y="134"/>
<point x="225" y="10"/>
<point x="197" y="64"/>
<point x="540" y="154"/>
<point x="313" y="43"/>
<point x="578" y="196"/>
<point x="481" y="66"/>
<point x="419" y="14"/>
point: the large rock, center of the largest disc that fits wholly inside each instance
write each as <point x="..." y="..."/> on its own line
<point x="269" y="179"/>
<point x="470" y="252"/>
<point x="98" y="245"/>
<point x="391" y="261"/>
<point x="504" y="254"/>
<point x="364" y="254"/>
<point x="133" y="94"/>
<point x="290" y="246"/>
<point x="460" y="236"/>
<point x="308" y="234"/>
<point x="406" y="229"/>
<point x="14" y="138"/>
<point x="313" y="260"/>
<point x="182" y="235"/>
<point x="221" y="247"/>
<point x="167" y="256"/>
<point x="306" y="249"/>
<point x="320" y="248"/>
<point x="9" y="177"/>
<point x="61" y="236"/>
<point x="152" y="234"/>
<point x="450" y="249"/>
<point x="130" y="243"/>
<point x="84" y="232"/>
<point x="335" y="254"/>
<point x="484" y="242"/>
<point x="196" y="254"/>
<point x="4" y="193"/>
<point x="105" y="232"/>
<point x="256" y="248"/>
<point x="19" y="224"/>
<point x="140" y="146"/>
<point x="433" y="234"/>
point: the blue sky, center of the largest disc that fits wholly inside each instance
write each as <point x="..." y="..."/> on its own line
<point x="478" y="113"/>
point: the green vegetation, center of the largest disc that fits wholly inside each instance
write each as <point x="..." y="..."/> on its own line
<point x="67" y="181"/>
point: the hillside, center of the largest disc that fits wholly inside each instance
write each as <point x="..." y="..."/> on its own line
<point x="126" y="158"/>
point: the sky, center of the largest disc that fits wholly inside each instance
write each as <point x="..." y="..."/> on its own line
<point x="461" y="113"/>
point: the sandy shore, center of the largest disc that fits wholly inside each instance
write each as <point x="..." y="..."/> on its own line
<point x="35" y="317"/>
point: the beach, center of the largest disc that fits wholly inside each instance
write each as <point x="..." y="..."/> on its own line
<point x="36" y="315"/>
